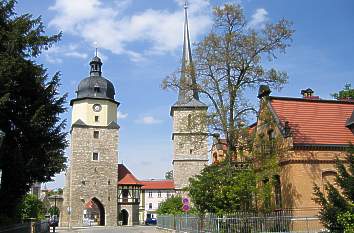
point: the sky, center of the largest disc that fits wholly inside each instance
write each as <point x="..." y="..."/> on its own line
<point x="140" y="43"/>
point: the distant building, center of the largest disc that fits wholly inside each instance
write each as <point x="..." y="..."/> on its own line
<point x="153" y="193"/>
<point x="36" y="190"/>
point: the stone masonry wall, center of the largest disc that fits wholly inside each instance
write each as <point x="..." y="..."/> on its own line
<point x="92" y="179"/>
<point x="190" y="143"/>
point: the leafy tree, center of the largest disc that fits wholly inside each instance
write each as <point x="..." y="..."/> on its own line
<point x="33" y="149"/>
<point x="338" y="205"/>
<point x="346" y="93"/>
<point x="169" y="175"/>
<point x="227" y="62"/>
<point x="172" y="205"/>
<point x="223" y="188"/>
<point x="347" y="220"/>
<point x="31" y="207"/>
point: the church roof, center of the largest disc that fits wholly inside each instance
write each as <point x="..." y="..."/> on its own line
<point x="125" y="177"/>
<point x="157" y="184"/>
<point x="315" y="121"/>
<point x="186" y="96"/>
<point x="95" y="86"/>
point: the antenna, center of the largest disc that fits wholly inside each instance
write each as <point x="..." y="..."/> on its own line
<point x="96" y="52"/>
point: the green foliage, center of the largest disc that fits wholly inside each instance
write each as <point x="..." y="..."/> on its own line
<point x="172" y="205"/>
<point x="31" y="207"/>
<point x="169" y="175"/>
<point x="337" y="207"/>
<point x="54" y="211"/>
<point x="347" y="220"/>
<point x="346" y="93"/>
<point x="34" y="146"/>
<point x="222" y="188"/>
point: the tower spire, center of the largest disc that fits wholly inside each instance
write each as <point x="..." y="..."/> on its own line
<point x="187" y="77"/>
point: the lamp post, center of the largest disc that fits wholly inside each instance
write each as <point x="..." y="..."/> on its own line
<point x="2" y="136"/>
<point x="55" y="217"/>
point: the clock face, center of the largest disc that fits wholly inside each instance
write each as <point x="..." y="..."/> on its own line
<point x="97" y="107"/>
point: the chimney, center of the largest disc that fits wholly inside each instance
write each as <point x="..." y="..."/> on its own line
<point x="264" y="90"/>
<point x="308" y="94"/>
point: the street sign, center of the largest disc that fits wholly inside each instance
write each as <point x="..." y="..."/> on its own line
<point x="185" y="206"/>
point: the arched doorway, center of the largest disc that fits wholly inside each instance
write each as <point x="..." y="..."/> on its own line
<point x="94" y="213"/>
<point x="124" y="215"/>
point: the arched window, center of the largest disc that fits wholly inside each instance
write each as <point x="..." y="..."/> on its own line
<point x="277" y="191"/>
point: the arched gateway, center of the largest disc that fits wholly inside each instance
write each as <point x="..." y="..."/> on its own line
<point x="94" y="213"/>
<point x="124" y="216"/>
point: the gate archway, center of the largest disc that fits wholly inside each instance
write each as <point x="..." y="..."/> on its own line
<point x="124" y="216"/>
<point x="95" y="213"/>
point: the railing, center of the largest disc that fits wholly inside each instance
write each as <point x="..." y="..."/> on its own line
<point x="17" y="228"/>
<point x="27" y="227"/>
<point x="240" y="222"/>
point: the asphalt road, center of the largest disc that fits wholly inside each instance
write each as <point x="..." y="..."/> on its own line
<point x="133" y="229"/>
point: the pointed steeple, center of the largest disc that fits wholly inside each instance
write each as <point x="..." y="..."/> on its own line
<point x="187" y="77"/>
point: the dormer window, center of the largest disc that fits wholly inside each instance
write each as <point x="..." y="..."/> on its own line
<point x="96" y="89"/>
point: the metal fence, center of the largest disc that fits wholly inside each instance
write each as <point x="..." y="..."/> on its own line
<point x="28" y="227"/>
<point x="240" y="222"/>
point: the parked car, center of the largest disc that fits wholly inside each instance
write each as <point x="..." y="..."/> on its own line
<point x="53" y="221"/>
<point x="151" y="221"/>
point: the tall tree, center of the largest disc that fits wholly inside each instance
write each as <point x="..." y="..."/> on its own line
<point x="227" y="62"/>
<point x="30" y="105"/>
<point x="337" y="205"/>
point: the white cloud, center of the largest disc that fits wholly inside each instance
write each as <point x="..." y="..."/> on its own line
<point x="148" y="120"/>
<point x="259" y="18"/>
<point x="121" y="115"/>
<point x="106" y="24"/>
<point x="55" y="53"/>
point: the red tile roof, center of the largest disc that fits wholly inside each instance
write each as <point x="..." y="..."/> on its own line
<point x="157" y="184"/>
<point x="125" y="177"/>
<point x="315" y="121"/>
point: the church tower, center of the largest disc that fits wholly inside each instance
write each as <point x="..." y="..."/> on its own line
<point x="190" y="138"/>
<point x="90" y="192"/>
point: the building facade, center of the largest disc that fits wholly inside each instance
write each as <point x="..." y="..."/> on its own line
<point x="153" y="193"/>
<point x="189" y="136"/>
<point x="91" y="179"/>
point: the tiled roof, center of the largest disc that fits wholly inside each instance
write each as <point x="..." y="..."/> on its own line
<point x="157" y="184"/>
<point x="315" y="121"/>
<point x="125" y="177"/>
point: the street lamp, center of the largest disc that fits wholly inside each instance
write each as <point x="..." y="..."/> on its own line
<point x="2" y="136"/>
<point x="55" y="217"/>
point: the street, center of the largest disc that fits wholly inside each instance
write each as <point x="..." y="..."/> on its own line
<point x="132" y="229"/>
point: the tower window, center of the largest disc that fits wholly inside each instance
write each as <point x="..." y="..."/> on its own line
<point x="96" y="134"/>
<point x="96" y="119"/>
<point x="83" y="182"/>
<point x="95" y="156"/>
<point x="189" y="121"/>
<point x="109" y="182"/>
<point x="96" y="89"/>
<point x="190" y="151"/>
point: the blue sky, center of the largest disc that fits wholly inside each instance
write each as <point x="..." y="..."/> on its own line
<point x="140" y="44"/>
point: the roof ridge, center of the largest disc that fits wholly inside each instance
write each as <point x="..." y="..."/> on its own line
<point x="311" y="100"/>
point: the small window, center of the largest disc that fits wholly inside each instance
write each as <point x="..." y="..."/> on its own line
<point x="150" y="194"/>
<point x="109" y="198"/>
<point x="109" y="182"/>
<point x="96" y="89"/>
<point x="96" y="134"/>
<point x="95" y="156"/>
<point x="168" y="194"/>
<point x="159" y="194"/>
<point x="150" y="205"/>
<point x="190" y="151"/>
<point x="83" y="182"/>
<point x="96" y="119"/>
<point x="189" y="121"/>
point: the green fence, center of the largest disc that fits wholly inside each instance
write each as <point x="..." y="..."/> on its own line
<point x="241" y="222"/>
